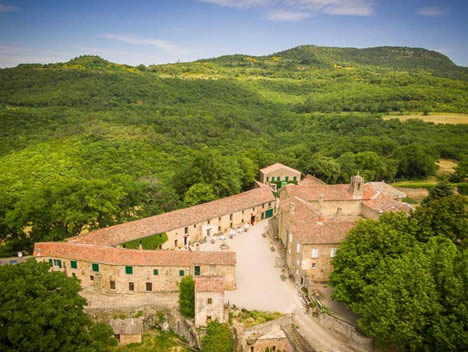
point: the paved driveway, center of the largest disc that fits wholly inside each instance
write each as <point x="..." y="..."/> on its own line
<point x="259" y="285"/>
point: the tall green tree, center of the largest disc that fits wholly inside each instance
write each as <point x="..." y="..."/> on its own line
<point x="187" y="297"/>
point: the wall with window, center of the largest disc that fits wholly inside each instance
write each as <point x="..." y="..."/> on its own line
<point x="209" y="306"/>
<point x="131" y="279"/>
<point x="285" y="175"/>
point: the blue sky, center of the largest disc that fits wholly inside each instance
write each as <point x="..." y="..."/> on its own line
<point x="160" y="31"/>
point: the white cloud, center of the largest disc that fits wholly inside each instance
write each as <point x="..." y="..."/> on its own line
<point x="432" y="11"/>
<point x="288" y="16"/>
<point x="7" y="8"/>
<point x="297" y="10"/>
<point x="158" y="43"/>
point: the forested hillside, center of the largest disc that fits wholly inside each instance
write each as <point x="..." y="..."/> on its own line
<point x="89" y="143"/>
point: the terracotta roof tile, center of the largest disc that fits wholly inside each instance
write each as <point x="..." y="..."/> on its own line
<point x="386" y="204"/>
<point x="310" y="180"/>
<point x="277" y="166"/>
<point x="117" y="234"/>
<point x="121" y="256"/>
<point x="312" y="193"/>
<point x="387" y="190"/>
<point x="209" y="284"/>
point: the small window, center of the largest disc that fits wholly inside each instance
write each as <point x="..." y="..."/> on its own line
<point x="197" y="270"/>
<point x="149" y="286"/>
<point x="131" y="286"/>
<point x="273" y="348"/>
<point x="59" y="263"/>
<point x="252" y="349"/>
<point x="230" y="217"/>
<point x="186" y="230"/>
<point x="268" y="178"/>
<point x="91" y="277"/>
<point x="278" y="178"/>
<point x="73" y="264"/>
<point x="51" y="262"/>
<point x="263" y="206"/>
<point x="209" y="221"/>
<point x="314" y="266"/>
<point x="181" y="272"/>
<point x="208" y="318"/>
<point x="230" y="225"/>
<point x="332" y="252"/>
<point x="314" y="252"/>
<point x="295" y="178"/>
<point x="95" y="267"/>
<point x="210" y="300"/>
<point x="73" y="274"/>
<point x="269" y="205"/>
<point x="219" y="228"/>
<point x="287" y="178"/>
<point x="242" y="212"/>
<point x="219" y="219"/>
<point x="112" y="285"/>
<point x="129" y="270"/>
<point x="156" y="272"/>
<point x="195" y="226"/>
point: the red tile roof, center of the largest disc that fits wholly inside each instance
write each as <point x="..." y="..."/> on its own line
<point x="209" y="284"/>
<point x="310" y="180"/>
<point x="386" y="204"/>
<point x="312" y="193"/>
<point x="310" y="227"/>
<point x="121" y="256"/>
<point x="117" y="234"/>
<point x="276" y="167"/>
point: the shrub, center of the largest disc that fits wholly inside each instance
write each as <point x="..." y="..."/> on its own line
<point x="463" y="188"/>
<point x="410" y="200"/>
<point x="187" y="297"/>
<point x="218" y="338"/>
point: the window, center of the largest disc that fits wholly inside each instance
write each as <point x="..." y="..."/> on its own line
<point x="314" y="266"/>
<point x="210" y="300"/>
<point x="73" y="264"/>
<point x="278" y="178"/>
<point x="295" y="178"/>
<point x="186" y="230"/>
<point x="73" y="274"/>
<point x="263" y="206"/>
<point x="273" y="348"/>
<point x="129" y="270"/>
<point x="149" y="286"/>
<point x="91" y="277"/>
<point x="195" y="226"/>
<point x="314" y="252"/>
<point x="298" y="247"/>
<point x="51" y="262"/>
<point x="197" y="270"/>
<point x="58" y="262"/>
<point x="95" y="267"/>
<point x="332" y="252"/>
<point x="242" y="212"/>
<point x="208" y="318"/>
<point x="230" y="217"/>
<point x="219" y="219"/>
<point x="252" y="349"/>
<point x="131" y="286"/>
<point x="219" y="228"/>
<point x="230" y="225"/>
<point x="269" y="205"/>
<point x="155" y="271"/>
<point x="112" y="285"/>
<point x="181" y="273"/>
<point x="287" y="178"/>
<point x="209" y="222"/>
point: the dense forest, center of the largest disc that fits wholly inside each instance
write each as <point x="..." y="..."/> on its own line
<point x="89" y="143"/>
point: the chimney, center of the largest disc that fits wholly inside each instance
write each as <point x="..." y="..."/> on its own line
<point x="320" y="203"/>
<point x="292" y="209"/>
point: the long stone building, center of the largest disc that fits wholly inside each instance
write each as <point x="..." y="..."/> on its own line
<point x="314" y="218"/>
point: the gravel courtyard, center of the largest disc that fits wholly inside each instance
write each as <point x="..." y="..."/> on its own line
<point x="259" y="285"/>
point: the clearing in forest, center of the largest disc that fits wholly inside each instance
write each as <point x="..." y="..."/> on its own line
<point x="436" y="117"/>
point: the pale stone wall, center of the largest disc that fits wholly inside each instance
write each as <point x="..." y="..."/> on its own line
<point x="178" y="238"/>
<point x="323" y="263"/>
<point x="281" y="345"/>
<point x="282" y="174"/>
<point x="203" y="309"/>
<point x="369" y="213"/>
<point x="343" y="207"/>
<point x="166" y="281"/>
<point x="128" y="339"/>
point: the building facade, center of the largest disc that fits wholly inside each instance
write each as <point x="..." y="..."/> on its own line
<point x="279" y="173"/>
<point x="118" y="270"/>
<point x="209" y="300"/>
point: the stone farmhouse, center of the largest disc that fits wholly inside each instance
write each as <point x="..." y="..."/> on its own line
<point x="118" y="270"/>
<point x="278" y="174"/>
<point x="209" y="300"/>
<point x="314" y="219"/>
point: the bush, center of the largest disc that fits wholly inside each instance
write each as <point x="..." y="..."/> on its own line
<point x="187" y="297"/>
<point x="463" y="188"/>
<point x="218" y="338"/>
<point x="410" y="200"/>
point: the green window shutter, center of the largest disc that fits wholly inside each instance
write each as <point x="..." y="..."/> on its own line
<point x="197" y="270"/>
<point x="287" y="178"/>
<point x="51" y="262"/>
<point x="181" y="273"/>
<point x="73" y="264"/>
<point x="278" y="178"/>
<point x="295" y="178"/>
<point x="129" y="270"/>
<point x="95" y="267"/>
<point x="59" y="262"/>
<point x="155" y="272"/>
<point x="268" y="178"/>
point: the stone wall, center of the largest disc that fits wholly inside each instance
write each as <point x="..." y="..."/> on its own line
<point x="166" y="280"/>
<point x="128" y="339"/>
<point x="345" y="329"/>
<point x="205" y="309"/>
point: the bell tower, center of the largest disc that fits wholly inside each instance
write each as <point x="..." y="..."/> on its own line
<point x="357" y="185"/>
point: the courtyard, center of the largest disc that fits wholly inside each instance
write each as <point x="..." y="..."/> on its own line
<point x="259" y="283"/>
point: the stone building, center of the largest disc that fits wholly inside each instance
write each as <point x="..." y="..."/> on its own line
<point x="118" y="270"/>
<point x="127" y="331"/>
<point x="279" y="172"/>
<point x="209" y="300"/>
<point x="187" y="226"/>
<point x="315" y="218"/>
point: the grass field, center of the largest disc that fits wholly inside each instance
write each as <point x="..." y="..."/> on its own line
<point x="436" y="117"/>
